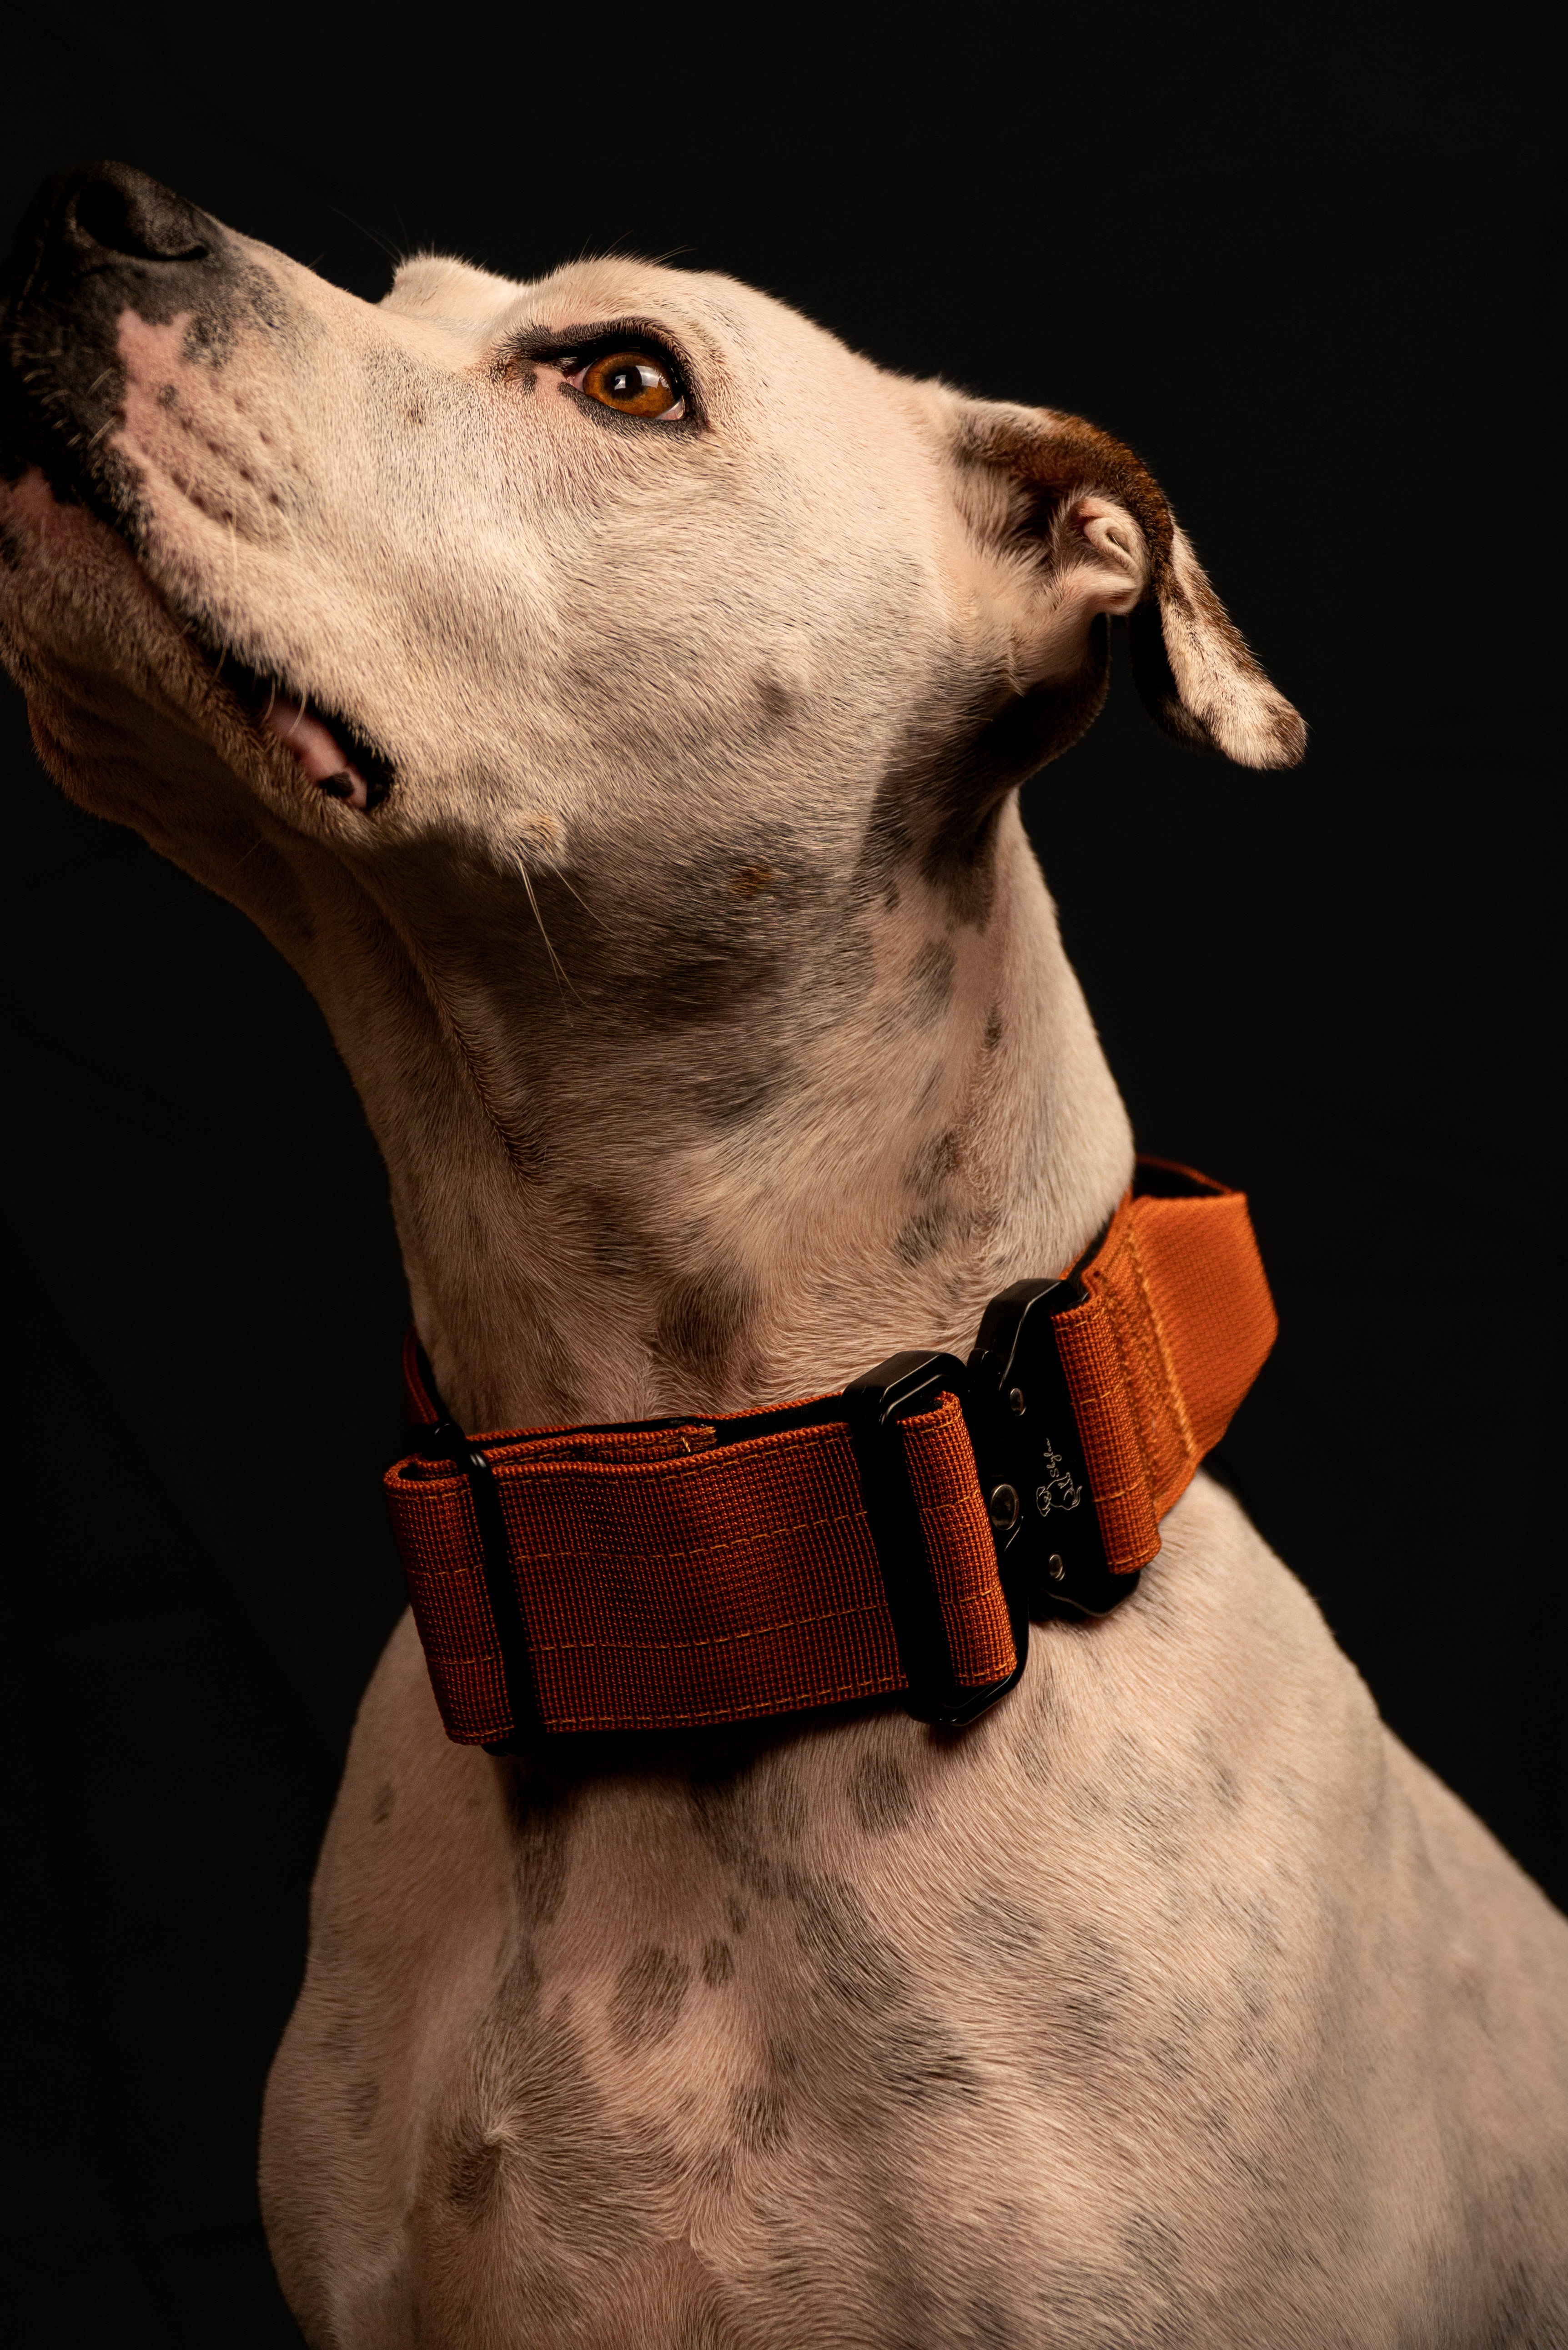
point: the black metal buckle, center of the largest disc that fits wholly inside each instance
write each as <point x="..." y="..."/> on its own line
<point x="876" y="1402"/>
<point x="1031" y="1460"/>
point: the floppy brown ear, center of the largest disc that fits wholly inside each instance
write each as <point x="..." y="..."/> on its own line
<point x="1098" y="538"/>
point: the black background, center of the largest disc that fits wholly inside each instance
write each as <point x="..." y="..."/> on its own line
<point x="1299" y="260"/>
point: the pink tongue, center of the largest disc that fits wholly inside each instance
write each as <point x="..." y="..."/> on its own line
<point x="317" y="748"/>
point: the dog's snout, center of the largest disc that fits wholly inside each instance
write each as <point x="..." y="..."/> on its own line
<point x="101" y="244"/>
<point x="106" y="236"/>
<point x="115" y="211"/>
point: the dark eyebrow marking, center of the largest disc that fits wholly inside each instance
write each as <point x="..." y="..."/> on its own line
<point x="540" y="346"/>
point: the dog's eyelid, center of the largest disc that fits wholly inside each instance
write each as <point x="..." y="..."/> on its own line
<point x="579" y="346"/>
<point x="584" y="355"/>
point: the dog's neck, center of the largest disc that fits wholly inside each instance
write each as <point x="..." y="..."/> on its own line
<point x="603" y="1219"/>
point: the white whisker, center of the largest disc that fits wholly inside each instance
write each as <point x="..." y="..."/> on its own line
<point x="582" y="901"/>
<point x="563" y="977"/>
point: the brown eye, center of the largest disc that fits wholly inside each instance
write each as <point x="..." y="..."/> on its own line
<point x="635" y="383"/>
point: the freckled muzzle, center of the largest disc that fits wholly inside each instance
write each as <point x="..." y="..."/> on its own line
<point x="102" y="245"/>
<point x="100" y="240"/>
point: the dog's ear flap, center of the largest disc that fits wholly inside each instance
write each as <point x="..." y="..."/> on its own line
<point x="1085" y="531"/>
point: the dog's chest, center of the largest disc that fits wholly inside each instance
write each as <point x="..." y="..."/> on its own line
<point x="870" y="2037"/>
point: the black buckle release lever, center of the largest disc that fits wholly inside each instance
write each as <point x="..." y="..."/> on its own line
<point x="1031" y="1459"/>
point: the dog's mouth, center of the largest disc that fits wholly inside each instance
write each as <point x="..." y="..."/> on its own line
<point x="333" y="753"/>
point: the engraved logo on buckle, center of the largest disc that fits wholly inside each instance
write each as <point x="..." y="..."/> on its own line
<point x="1060" y="1491"/>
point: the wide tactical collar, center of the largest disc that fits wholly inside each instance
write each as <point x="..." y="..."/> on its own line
<point x="893" y="1539"/>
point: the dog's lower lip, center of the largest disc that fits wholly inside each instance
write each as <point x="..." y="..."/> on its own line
<point x="320" y="755"/>
<point x="331" y="753"/>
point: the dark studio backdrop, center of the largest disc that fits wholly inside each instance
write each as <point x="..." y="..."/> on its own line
<point x="1299" y="263"/>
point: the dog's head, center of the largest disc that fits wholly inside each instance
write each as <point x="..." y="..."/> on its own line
<point x="556" y="572"/>
<point x="608" y="691"/>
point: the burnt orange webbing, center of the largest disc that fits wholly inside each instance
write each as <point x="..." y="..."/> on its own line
<point x="673" y="1576"/>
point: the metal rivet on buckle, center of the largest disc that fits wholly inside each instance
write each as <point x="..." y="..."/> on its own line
<point x="1003" y="1506"/>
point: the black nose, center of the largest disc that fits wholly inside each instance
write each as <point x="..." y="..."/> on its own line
<point x="119" y="211"/>
<point x="100" y="243"/>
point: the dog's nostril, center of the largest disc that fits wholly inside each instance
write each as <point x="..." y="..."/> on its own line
<point x="125" y="212"/>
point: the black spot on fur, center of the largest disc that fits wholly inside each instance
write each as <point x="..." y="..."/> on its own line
<point x="857" y="1965"/>
<point x="929" y="1176"/>
<point x="995" y="1026"/>
<point x="989" y="2329"/>
<point x="923" y="1235"/>
<point x="934" y="1165"/>
<point x="920" y="2064"/>
<point x="540" y="1869"/>
<point x="759" y="2118"/>
<point x="703" y="1320"/>
<point x="522" y="1977"/>
<point x="618" y="1247"/>
<point x="998" y="1926"/>
<point x="776" y="700"/>
<point x="742" y="1085"/>
<point x="527" y="2115"/>
<point x="337" y="2042"/>
<point x="648" y="1998"/>
<point x="363" y="2100"/>
<point x="718" y="1964"/>
<point x="1171" y="2059"/>
<point x="1154" y="2246"/>
<point x="725" y="1810"/>
<point x="932" y="982"/>
<point x="1093" y="1988"/>
<point x="880" y="1792"/>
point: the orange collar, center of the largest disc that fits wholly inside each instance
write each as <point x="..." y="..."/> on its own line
<point x="894" y="1539"/>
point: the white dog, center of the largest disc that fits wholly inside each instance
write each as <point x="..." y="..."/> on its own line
<point x="609" y="694"/>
